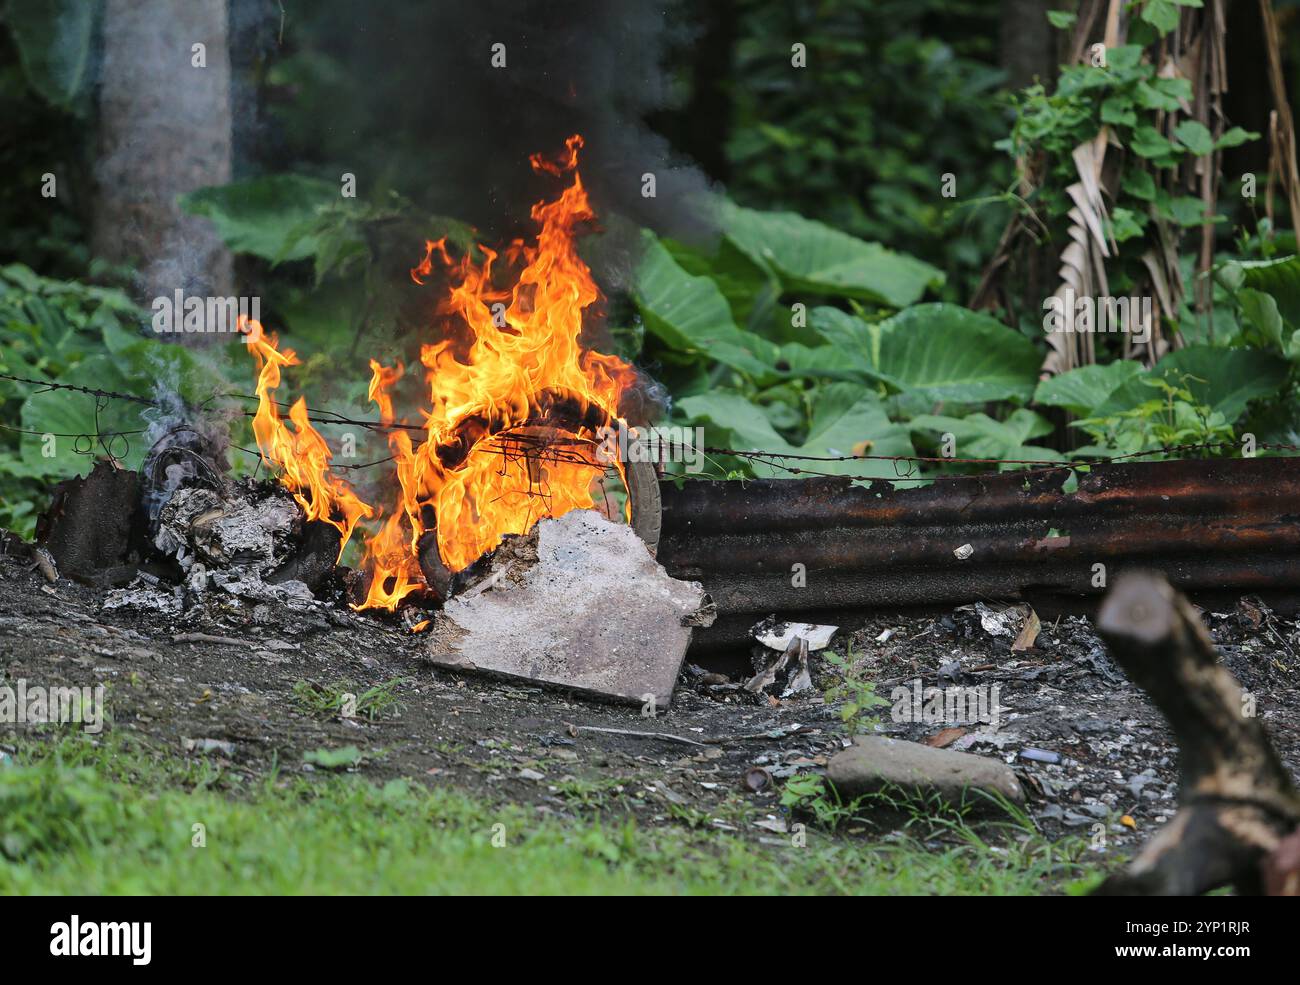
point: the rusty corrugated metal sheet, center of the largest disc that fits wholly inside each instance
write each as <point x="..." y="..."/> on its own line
<point x="1208" y="524"/>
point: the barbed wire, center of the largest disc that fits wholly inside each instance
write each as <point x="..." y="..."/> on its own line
<point x="514" y="445"/>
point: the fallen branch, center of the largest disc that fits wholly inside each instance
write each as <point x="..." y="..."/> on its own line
<point x="1237" y="799"/>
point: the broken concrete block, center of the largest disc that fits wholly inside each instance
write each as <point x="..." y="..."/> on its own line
<point x="580" y="603"/>
<point x="874" y="763"/>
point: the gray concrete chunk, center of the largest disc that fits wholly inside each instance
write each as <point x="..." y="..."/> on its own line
<point x="875" y="762"/>
<point x="589" y="609"/>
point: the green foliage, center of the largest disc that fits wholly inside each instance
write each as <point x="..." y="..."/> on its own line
<point x="1131" y="99"/>
<point x="115" y="818"/>
<point x="1172" y="418"/>
<point x="56" y="43"/>
<point x="980" y="436"/>
<point x="895" y="94"/>
<point x="855" y="694"/>
<point x="938" y="351"/>
<point x="330" y="699"/>
<point x="809" y="257"/>
<point x="72" y="333"/>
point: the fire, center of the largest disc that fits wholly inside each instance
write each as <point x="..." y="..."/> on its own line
<point x="302" y="453"/>
<point x="512" y="414"/>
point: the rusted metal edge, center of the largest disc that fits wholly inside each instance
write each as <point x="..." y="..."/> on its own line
<point x="1207" y="524"/>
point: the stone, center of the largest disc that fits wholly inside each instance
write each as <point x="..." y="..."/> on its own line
<point x="874" y="762"/>
<point x="578" y="602"/>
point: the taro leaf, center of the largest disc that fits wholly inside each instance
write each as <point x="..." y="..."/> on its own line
<point x="689" y="314"/>
<point x="1261" y="310"/>
<point x="1280" y="278"/>
<point x="265" y="216"/>
<point x="1225" y="380"/>
<point x="1082" y="390"/>
<point x="849" y="420"/>
<point x="133" y="365"/>
<point x="63" y="413"/>
<point x="735" y="421"/>
<point x="943" y="350"/>
<point x="813" y="258"/>
<point x="824" y="361"/>
<point x="56" y="44"/>
<point x="980" y="436"/>
<point x="751" y="289"/>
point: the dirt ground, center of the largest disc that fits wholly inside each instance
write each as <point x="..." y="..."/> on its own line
<point x="1063" y="699"/>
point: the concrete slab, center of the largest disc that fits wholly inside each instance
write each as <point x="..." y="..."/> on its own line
<point x="578" y="603"/>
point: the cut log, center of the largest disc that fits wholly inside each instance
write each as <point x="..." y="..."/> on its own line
<point x="1237" y="799"/>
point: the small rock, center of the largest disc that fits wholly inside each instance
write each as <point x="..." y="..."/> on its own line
<point x="875" y="762"/>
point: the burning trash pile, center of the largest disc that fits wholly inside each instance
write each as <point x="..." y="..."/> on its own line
<point x="505" y="523"/>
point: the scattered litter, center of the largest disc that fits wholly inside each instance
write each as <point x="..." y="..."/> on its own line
<point x="793" y="661"/>
<point x="963" y="552"/>
<point x="756" y="779"/>
<point x="1041" y="756"/>
<point x="944" y="737"/>
<point x="226" y="749"/>
<point x="143" y="598"/>
<point x="1028" y="632"/>
<point x="777" y="635"/>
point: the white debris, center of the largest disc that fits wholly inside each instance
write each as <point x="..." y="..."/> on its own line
<point x="778" y="635"/>
<point x="141" y="597"/>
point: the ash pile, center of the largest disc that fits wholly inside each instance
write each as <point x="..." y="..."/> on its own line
<point x="578" y="602"/>
<point x="180" y="535"/>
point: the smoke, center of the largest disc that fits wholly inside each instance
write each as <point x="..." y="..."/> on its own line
<point x="587" y="66"/>
<point x="447" y="101"/>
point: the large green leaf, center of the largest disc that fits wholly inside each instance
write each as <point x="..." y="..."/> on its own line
<point x="133" y="365"/>
<point x="735" y="421"/>
<point x="689" y="314"/>
<point x="1280" y="278"/>
<point x="1225" y="380"/>
<point x="265" y="216"/>
<point x="849" y="421"/>
<point x="56" y="43"/>
<point x="942" y="350"/>
<point x="1082" y="390"/>
<point x="981" y="436"/>
<point x="751" y="290"/>
<point x="814" y="258"/>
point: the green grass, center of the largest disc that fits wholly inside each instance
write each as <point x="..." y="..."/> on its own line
<point x="331" y="699"/>
<point x="84" y="817"/>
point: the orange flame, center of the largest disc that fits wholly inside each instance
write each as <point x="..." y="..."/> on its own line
<point x="302" y="453"/>
<point x="512" y="415"/>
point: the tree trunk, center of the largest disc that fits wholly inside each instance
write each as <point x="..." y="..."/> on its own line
<point x="1027" y="42"/>
<point x="164" y="130"/>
